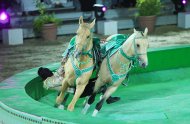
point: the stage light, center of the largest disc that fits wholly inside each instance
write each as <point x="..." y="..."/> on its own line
<point x="4" y="19"/>
<point x="99" y="10"/>
<point x="104" y="9"/>
<point x="184" y="2"/>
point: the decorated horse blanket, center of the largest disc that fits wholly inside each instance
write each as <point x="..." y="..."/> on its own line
<point x="112" y="45"/>
<point x="100" y="50"/>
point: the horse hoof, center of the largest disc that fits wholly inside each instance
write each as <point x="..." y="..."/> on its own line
<point x="59" y="100"/>
<point x="95" y="113"/>
<point x="61" y="107"/>
<point x="85" y="109"/>
<point x="70" y="108"/>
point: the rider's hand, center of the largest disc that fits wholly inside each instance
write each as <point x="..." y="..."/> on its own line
<point x="63" y="61"/>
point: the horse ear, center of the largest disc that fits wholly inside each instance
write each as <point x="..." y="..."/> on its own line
<point x="145" y="32"/>
<point x="135" y="31"/>
<point x="93" y="23"/>
<point x="81" y="20"/>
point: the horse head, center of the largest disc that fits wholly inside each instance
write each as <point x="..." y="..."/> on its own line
<point x="83" y="37"/>
<point x="140" y="43"/>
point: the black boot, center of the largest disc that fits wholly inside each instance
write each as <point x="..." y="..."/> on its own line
<point x="112" y="100"/>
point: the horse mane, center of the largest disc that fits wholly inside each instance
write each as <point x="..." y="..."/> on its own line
<point x="136" y="34"/>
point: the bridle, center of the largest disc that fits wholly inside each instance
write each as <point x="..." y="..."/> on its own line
<point x="78" y="71"/>
<point x="134" y="61"/>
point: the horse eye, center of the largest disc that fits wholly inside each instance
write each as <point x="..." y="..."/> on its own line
<point x="138" y="45"/>
<point x="88" y="36"/>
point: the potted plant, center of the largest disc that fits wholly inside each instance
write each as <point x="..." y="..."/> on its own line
<point x="147" y="11"/>
<point x="45" y="24"/>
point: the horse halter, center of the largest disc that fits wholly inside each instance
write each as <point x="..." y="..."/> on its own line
<point x="134" y="59"/>
<point x="87" y="52"/>
<point x="78" y="71"/>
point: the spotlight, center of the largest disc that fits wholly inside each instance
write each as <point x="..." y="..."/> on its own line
<point x="104" y="9"/>
<point x="4" y="19"/>
<point x="99" y="10"/>
<point x="184" y="2"/>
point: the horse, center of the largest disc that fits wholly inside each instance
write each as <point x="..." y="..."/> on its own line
<point x="115" y="67"/>
<point x="80" y="64"/>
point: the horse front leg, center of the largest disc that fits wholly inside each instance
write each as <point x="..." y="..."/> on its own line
<point x="78" y="92"/>
<point x="60" y="97"/>
<point x="107" y="94"/>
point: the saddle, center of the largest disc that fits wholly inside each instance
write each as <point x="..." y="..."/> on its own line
<point x="112" y="45"/>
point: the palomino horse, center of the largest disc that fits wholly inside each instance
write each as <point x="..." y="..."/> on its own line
<point x="79" y="65"/>
<point x="114" y="68"/>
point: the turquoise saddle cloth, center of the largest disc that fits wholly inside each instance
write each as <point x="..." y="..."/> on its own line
<point x="113" y="44"/>
<point x="110" y="46"/>
<point x="71" y="47"/>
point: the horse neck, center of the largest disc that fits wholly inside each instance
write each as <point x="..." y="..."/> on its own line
<point x="86" y="58"/>
<point x="127" y="48"/>
<point x="90" y="45"/>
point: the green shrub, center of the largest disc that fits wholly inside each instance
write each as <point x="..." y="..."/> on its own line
<point x="44" y="17"/>
<point x="148" y="7"/>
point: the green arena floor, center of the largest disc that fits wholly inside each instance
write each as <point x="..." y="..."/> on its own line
<point x="157" y="95"/>
<point x="153" y="97"/>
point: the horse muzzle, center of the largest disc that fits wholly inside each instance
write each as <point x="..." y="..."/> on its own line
<point x="142" y="63"/>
